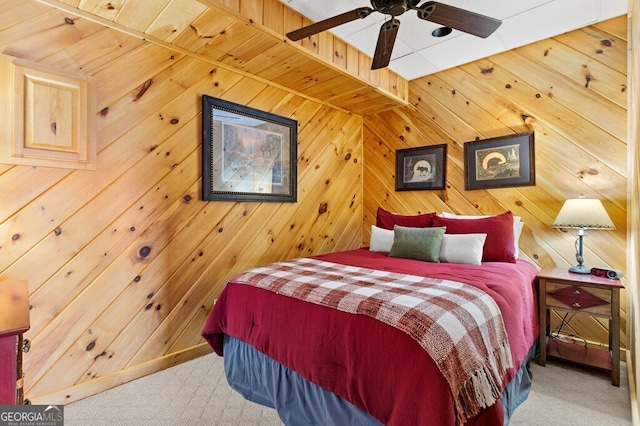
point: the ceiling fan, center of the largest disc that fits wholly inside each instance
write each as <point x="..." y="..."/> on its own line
<point x="440" y="13"/>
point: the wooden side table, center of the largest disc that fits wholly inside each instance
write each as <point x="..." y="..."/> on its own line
<point x="586" y="294"/>
<point x="14" y="320"/>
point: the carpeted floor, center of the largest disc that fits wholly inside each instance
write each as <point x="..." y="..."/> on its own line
<point x="196" y="393"/>
<point x="564" y="394"/>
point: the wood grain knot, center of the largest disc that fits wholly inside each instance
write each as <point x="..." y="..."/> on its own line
<point x="144" y="251"/>
<point x="143" y="89"/>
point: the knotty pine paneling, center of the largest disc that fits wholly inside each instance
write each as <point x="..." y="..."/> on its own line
<point x="570" y="90"/>
<point x="249" y="35"/>
<point x="125" y="262"/>
<point x="633" y="271"/>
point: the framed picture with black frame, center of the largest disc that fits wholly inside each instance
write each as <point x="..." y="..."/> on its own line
<point x="421" y="168"/>
<point x="505" y="161"/>
<point x="247" y="154"/>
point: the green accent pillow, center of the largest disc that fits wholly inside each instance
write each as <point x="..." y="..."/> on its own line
<point x="417" y="243"/>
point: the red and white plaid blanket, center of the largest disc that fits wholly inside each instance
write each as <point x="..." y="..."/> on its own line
<point x="459" y="326"/>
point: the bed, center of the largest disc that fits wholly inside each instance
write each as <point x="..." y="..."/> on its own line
<point x="373" y="336"/>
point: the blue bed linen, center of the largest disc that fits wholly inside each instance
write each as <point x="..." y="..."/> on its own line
<point x="299" y="402"/>
<point x="517" y="390"/>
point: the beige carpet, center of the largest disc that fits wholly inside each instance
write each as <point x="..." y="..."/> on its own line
<point x="196" y="393"/>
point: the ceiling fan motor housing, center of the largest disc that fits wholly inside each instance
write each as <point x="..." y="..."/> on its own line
<point x="433" y="11"/>
<point x="393" y="7"/>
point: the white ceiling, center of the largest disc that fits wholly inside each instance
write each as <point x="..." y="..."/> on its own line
<point x="417" y="53"/>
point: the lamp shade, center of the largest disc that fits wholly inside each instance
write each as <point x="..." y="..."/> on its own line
<point x="586" y="213"/>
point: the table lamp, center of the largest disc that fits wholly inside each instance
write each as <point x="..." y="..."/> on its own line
<point x="582" y="213"/>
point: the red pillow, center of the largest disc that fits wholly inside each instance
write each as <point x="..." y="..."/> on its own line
<point x="499" y="245"/>
<point x="386" y="220"/>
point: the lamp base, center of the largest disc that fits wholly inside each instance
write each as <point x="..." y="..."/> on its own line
<point x="580" y="269"/>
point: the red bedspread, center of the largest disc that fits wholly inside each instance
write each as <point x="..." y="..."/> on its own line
<point x="372" y="365"/>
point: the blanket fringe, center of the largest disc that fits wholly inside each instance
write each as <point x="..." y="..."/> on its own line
<point x="483" y="388"/>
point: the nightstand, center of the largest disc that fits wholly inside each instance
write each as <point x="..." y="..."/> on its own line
<point x="586" y="294"/>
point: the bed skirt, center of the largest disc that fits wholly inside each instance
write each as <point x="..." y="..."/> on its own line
<point x="299" y="402"/>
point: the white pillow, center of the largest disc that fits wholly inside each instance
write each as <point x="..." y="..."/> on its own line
<point x="381" y="239"/>
<point x="518" y="224"/>
<point x="462" y="248"/>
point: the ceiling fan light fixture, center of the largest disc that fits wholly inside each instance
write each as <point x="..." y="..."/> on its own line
<point x="441" y="32"/>
<point x="449" y="17"/>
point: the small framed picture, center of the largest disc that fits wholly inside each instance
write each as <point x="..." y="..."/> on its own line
<point x="421" y="168"/>
<point x="500" y="162"/>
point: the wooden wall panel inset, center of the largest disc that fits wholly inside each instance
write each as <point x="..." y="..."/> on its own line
<point x="52" y="117"/>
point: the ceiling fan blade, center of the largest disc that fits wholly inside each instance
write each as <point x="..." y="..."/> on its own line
<point x="384" y="47"/>
<point x="318" y="27"/>
<point x="459" y="19"/>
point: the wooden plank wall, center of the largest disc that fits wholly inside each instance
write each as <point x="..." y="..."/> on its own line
<point x="249" y="36"/>
<point x="570" y="90"/>
<point x="633" y="217"/>
<point x="124" y="262"/>
<point x="326" y="46"/>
